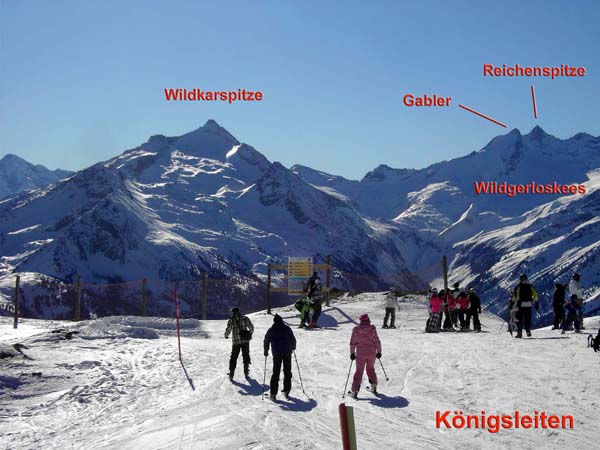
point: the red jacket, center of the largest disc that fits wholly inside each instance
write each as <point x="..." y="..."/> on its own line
<point x="364" y="339"/>
<point x="463" y="301"/>
<point x="436" y="303"/>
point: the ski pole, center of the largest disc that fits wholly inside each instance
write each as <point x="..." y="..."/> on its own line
<point x="347" y="378"/>
<point x="382" y="368"/>
<point x="299" y="375"/>
<point x="264" y="377"/>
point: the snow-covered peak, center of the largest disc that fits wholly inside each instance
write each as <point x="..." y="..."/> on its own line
<point x="17" y="175"/>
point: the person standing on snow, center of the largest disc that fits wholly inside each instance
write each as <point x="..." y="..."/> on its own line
<point x="365" y="346"/>
<point x="558" y="305"/>
<point x="390" y="309"/>
<point x="241" y="329"/>
<point x="315" y="294"/>
<point x="280" y="338"/>
<point x="435" y="314"/>
<point x="463" y="310"/>
<point x="572" y="313"/>
<point x="448" y="303"/>
<point x="525" y="298"/>
<point x="474" y="310"/>
<point x="575" y="289"/>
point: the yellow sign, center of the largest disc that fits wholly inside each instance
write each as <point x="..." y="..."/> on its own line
<point x="299" y="271"/>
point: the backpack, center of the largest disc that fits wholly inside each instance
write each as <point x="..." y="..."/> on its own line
<point x="245" y="335"/>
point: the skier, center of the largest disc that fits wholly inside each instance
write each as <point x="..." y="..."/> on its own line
<point x="572" y="313"/>
<point x="311" y="282"/>
<point x="390" y="309"/>
<point x="558" y="304"/>
<point x="435" y="314"/>
<point x="449" y="303"/>
<point x="525" y="297"/>
<point x="315" y="295"/>
<point x="474" y="310"/>
<point x="241" y="329"/>
<point x="303" y="305"/>
<point x="575" y="289"/>
<point x="280" y="338"/>
<point x="463" y="307"/>
<point x="365" y="346"/>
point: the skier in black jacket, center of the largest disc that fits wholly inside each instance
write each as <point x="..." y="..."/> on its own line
<point x="525" y="297"/>
<point x="474" y="310"/>
<point x="280" y="338"/>
<point x="558" y="304"/>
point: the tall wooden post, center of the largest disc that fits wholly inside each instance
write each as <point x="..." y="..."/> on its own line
<point x="16" y="305"/>
<point x="445" y="269"/>
<point x="328" y="280"/>
<point x="144" y="297"/>
<point x="269" y="289"/>
<point x="78" y="300"/>
<point x="204" y="312"/>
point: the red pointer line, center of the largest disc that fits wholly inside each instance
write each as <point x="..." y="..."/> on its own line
<point x="534" y="102"/>
<point x="484" y="116"/>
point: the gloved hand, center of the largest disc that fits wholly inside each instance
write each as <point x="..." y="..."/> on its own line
<point x="226" y="337"/>
<point x="378" y="355"/>
<point x="266" y="353"/>
<point x="537" y="306"/>
<point x="352" y="356"/>
<point x="479" y="310"/>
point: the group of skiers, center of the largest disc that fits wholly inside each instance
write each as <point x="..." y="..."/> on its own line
<point x="365" y="347"/>
<point x="570" y="313"/>
<point x="524" y="297"/>
<point x="458" y="308"/>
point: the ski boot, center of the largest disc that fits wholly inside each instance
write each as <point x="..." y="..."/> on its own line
<point x="528" y="333"/>
<point x="354" y="394"/>
<point x="286" y="394"/>
<point x="273" y="397"/>
<point x="374" y="388"/>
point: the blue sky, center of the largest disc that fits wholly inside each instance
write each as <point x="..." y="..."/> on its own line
<point x="83" y="81"/>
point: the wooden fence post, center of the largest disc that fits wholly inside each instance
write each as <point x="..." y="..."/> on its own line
<point x="328" y="280"/>
<point x="269" y="289"/>
<point x="144" y="297"/>
<point x="204" y="312"/>
<point x="78" y="300"/>
<point x="16" y="305"/>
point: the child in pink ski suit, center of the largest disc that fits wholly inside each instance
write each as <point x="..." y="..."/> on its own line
<point x="364" y="347"/>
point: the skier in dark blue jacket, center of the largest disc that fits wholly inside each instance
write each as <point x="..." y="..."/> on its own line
<point x="280" y="338"/>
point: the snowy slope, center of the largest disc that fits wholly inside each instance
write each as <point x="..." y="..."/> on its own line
<point x="119" y="385"/>
<point x="17" y="175"/>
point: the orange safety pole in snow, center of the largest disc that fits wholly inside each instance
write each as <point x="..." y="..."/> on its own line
<point x="177" y="318"/>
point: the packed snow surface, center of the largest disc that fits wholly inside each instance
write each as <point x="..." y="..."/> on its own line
<point x="118" y="384"/>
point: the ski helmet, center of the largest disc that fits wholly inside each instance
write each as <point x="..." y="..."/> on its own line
<point x="523" y="277"/>
<point x="576" y="276"/>
<point x="434" y="290"/>
<point x="235" y="310"/>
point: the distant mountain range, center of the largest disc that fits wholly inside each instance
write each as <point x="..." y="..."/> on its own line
<point x="17" y="175"/>
<point x="204" y="202"/>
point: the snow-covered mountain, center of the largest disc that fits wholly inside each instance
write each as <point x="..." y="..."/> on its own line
<point x="204" y="202"/>
<point x="178" y="206"/>
<point x="491" y="239"/>
<point x="17" y="175"/>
